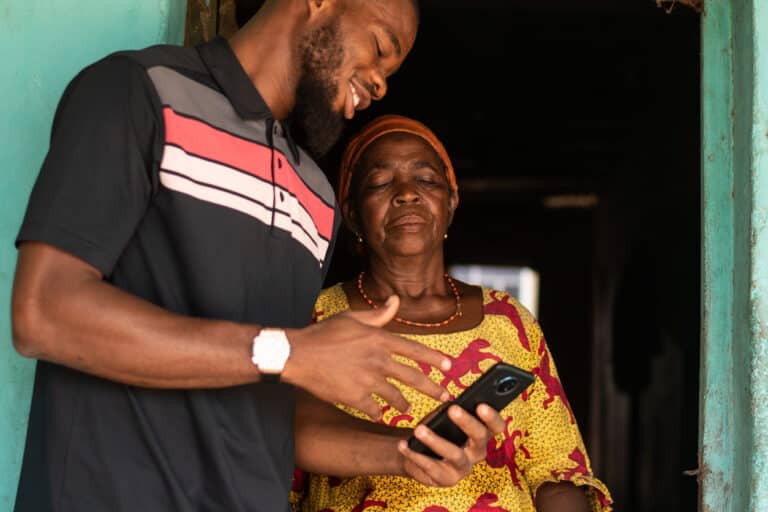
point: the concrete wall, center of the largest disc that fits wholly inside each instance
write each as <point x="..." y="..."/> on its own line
<point x="45" y="42"/>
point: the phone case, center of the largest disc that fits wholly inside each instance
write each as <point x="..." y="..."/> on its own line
<point x="497" y="387"/>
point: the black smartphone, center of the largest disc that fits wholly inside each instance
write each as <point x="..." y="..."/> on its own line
<point x="497" y="387"/>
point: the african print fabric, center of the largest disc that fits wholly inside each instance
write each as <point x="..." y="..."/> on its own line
<point x="541" y="442"/>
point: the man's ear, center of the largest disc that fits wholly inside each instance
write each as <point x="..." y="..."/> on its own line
<point x="321" y="6"/>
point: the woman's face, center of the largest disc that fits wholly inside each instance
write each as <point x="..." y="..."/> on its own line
<point x="403" y="202"/>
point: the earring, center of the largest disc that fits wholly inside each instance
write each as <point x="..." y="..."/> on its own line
<point x="359" y="238"/>
<point x="445" y="236"/>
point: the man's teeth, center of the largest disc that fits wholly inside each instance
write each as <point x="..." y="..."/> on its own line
<point x="355" y="97"/>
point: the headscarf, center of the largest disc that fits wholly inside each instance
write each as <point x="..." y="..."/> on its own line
<point x="379" y="127"/>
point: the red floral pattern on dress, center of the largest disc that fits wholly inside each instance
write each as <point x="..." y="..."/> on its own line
<point x="551" y="383"/>
<point x="504" y="455"/>
<point x="299" y="482"/>
<point x="366" y="504"/>
<point x="395" y="420"/>
<point x="465" y="363"/>
<point x="502" y="306"/>
<point x="484" y="504"/>
<point x="578" y="457"/>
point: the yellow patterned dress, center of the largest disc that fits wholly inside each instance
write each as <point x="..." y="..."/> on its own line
<point x="541" y="443"/>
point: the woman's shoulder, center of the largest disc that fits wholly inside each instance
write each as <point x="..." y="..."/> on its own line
<point x="502" y="309"/>
<point x="330" y="301"/>
<point x="501" y="302"/>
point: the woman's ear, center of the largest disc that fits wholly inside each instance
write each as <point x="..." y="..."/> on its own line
<point x="350" y="217"/>
<point x="452" y="201"/>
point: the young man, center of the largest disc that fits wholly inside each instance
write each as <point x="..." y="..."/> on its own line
<point x="169" y="259"/>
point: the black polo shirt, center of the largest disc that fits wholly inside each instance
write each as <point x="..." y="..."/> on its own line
<point x="167" y="172"/>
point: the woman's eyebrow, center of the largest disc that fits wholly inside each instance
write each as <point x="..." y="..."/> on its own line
<point x="420" y="164"/>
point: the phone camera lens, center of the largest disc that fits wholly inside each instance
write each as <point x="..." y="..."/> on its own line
<point x="506" y="385"/>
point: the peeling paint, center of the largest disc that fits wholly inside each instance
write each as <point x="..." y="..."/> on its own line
<point x="734" y="422"/>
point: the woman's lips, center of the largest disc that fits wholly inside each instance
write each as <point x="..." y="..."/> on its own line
<point x="408" y="221"/>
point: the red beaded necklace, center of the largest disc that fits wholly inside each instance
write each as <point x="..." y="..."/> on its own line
<point x="455" y="315"/>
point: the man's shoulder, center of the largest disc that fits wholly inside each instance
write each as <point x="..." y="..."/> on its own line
<point x="128" y="66"/>
<point x="169" y="55"/>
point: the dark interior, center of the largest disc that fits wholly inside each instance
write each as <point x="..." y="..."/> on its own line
<point x="574" y="129"/>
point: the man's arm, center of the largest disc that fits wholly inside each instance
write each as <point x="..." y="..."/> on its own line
<point x="329" y="441"/>
<point x="64" y="312"/>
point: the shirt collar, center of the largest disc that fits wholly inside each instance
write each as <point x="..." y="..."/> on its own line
<point x="229" y="74"/>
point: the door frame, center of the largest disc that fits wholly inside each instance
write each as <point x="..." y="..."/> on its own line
<point x="733" y="433"/>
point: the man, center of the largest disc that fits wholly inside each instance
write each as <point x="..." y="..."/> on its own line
<point x="169" y="259"/>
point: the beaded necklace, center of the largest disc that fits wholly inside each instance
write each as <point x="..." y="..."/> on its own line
<point x="455" y="315"/>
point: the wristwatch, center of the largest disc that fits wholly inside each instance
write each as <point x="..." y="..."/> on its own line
<point x="271" y="349"/>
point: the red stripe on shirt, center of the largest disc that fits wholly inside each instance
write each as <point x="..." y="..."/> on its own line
<point x="205" y="141"/>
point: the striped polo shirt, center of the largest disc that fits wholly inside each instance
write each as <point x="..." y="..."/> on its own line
<point x="167" y="172"/>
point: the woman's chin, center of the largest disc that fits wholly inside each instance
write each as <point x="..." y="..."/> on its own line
<point x="408" y="248"/>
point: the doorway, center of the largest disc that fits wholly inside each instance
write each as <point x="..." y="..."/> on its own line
<point x="574" y="131"/>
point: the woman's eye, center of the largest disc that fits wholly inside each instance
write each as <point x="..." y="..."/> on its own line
<point x="376" y="185"/>
<point x="378" y="47"/>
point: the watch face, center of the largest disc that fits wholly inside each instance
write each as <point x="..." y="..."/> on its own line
<point x="270" y="350"/>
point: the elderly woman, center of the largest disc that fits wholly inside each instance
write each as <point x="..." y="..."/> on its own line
<point x="398" y="194"/>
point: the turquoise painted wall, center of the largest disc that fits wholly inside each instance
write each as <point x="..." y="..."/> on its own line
<point x="45" y="42"/>
<point x="734" y="371"/>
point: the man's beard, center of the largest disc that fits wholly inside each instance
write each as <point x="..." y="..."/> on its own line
<point x="314" y="122"/>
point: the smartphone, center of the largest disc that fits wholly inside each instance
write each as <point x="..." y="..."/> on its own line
<point x="497" y="387"/>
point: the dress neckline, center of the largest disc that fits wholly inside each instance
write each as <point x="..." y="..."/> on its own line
<point x="486" y="299"/>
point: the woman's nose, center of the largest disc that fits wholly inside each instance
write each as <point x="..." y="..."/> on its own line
<point x="406" y="194"/>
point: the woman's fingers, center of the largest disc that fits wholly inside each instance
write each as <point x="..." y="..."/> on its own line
<point x="427" y="470"/>
<point x="442" y="447"/>
<point x="491" y="417"/>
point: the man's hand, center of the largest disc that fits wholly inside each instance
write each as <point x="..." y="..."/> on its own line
<point x="456" y="461"/>
<point x="348" y="358"/>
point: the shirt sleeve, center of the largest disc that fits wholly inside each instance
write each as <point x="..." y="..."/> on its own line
<point x="100" y="170"/>
<point x="554" y="448"/>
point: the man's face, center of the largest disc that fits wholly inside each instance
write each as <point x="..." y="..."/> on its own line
<point x="318" y="123"/>
<point x="345" y="65"/>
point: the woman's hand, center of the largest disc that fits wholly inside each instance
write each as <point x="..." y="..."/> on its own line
<point x="456" y="461"/>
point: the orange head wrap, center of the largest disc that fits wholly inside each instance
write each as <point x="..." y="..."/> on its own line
<point x="379" y="127"/>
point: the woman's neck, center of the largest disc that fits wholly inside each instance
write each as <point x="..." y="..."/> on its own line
<point x="408" y="278"/>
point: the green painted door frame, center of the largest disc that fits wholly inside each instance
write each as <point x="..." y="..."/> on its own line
<point x="57" y="37"/>
<point x="734" y="365"/>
